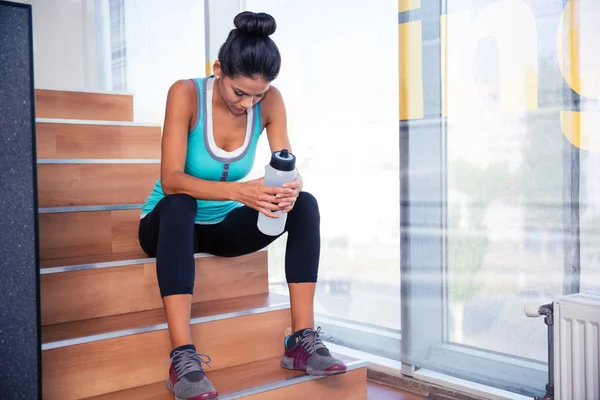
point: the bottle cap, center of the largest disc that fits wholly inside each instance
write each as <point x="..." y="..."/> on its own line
<point x="283" y="160"/>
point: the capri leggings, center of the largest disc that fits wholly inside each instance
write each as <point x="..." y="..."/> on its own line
<point x="170" y="234"/>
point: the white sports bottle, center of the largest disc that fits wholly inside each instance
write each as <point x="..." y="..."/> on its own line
<point x="281" y="169"/>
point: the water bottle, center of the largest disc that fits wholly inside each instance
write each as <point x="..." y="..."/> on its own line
<point x="281" y="169"/>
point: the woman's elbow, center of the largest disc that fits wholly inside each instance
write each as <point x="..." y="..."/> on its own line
<point x="167" y="184"/>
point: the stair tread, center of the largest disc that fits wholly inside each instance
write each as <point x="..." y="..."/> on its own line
<point x="73" y="121"/>
<point x="98" y="326"/>
<point x="227" y="381"/>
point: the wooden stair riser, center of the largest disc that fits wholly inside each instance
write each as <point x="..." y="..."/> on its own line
<point x="107" y="366"/>
<point x="62" y="185"/>
<point x="349" y="386"/>
<point x="75" y="234"/>
<point x="83" y="105"/>
<point x="127" y="289"/>
<point x="81" y="141"/>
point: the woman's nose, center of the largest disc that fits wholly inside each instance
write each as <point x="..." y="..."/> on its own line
<point x="247" y="103"/>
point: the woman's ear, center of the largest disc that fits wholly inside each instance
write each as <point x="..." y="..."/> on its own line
<point x="217" y="69"/>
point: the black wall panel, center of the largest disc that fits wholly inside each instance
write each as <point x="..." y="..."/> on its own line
<point x="20" y="372"/>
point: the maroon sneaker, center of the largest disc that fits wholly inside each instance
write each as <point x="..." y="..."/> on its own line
<point x="305" y="351"/>
<point x="186" y="376"/>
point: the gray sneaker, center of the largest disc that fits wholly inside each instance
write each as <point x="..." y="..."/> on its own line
<point x="186" y="376"/>
<point x="309" y="354"/>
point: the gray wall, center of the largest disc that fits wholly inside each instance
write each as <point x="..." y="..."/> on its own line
<point x="19" y="260"/>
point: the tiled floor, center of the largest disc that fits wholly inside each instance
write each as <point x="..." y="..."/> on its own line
<point x="377" y="391"/>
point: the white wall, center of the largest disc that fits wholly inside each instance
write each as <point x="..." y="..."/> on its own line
<point x="164" y="44"/>
<point x="64" y="44"/>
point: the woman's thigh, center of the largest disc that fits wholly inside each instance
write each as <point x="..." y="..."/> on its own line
<point x="236" y="235"/>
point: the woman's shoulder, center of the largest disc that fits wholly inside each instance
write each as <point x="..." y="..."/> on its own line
<point x="183" y="92"/>
<point x="272" y="103"/>
<point x="273" y="96"/>
<point x="183" y="87"/>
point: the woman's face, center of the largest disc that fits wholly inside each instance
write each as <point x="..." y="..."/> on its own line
<point x="242" y="93"/>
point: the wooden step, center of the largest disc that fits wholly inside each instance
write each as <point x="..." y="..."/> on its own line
<point x="266" y="379"/>
<point x="89" y="233"/>
<point x="62" y="185"/>
<point x="81" y="139"/>
<point x="128" y="286"/>
<point x="83" y="105"/>
<point x="104" y="355"/>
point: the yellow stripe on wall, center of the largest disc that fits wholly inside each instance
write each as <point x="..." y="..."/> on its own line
<point x="209" y="67"/>
<point x="568" y="46"/>
<point x="531" y="88"/>
<point x="410" y="70"/>
<point x="581" y="129"/>
<point x="405" y="5"/>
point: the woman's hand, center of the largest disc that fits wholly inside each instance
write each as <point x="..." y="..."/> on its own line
<point x="263" y="198"/>
<point x="287" y="201"/>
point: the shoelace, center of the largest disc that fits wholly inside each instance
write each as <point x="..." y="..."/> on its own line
<point x="312" y="342"/>
<point x="186" y="361"/>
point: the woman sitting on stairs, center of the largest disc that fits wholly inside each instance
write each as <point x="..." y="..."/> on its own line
<point x="211" y="130"/>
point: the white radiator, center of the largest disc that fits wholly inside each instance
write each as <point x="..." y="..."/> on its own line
<point x="577" y="347"/>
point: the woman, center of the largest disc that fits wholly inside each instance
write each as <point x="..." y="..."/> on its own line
<point x="211" y="130"/>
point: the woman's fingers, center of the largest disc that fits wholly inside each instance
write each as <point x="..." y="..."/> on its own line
<point x="266" y="211"/>
<point x="268" y="198"/>
<point x="286" y="195"/>
<point x="293" y="185"/>
<point x="269" y="206"/>
<point x="274" y="190"/>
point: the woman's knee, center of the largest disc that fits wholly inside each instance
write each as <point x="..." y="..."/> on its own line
<point x="306" y="208"/>
<point x="179" y="203"/>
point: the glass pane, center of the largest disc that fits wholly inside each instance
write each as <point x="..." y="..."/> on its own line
<point x="339" y="80"/>
<point x="519" y="94"/>
<point x="589" y="132"/>
<point x="506" y="175"/>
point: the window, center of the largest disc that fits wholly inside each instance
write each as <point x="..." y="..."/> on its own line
<point x="118" y="45"/>
<point x="499" y="185"/>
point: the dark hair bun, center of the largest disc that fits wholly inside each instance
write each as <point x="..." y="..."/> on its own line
<point x="255" y="23"/>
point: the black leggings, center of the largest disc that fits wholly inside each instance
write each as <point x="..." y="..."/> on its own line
<point x="170" y="234"/>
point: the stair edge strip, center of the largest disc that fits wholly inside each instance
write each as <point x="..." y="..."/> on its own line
<point x="111" y="264"/>
<point x="75" y="121"/>
<point x="83" y="90"/>
<point x="352" y="366"/>
<point x="46" y="161"/>
<point x="162" y="326"/>
<point x="58" y="210"/>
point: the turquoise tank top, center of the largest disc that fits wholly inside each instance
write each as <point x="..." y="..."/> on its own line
<point x="204" y="160"/>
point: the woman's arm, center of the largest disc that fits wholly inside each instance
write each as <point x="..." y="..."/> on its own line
<point x="276" y="120"/>
<point x="178" y="115"/>
<point x="276" y="125"/>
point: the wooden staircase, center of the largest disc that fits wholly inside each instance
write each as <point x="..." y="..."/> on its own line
<point x="104" y="333"/>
